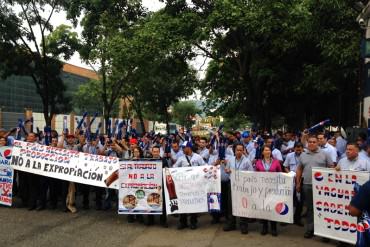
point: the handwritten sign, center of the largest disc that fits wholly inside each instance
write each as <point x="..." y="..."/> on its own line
<point x="262" y="195"/>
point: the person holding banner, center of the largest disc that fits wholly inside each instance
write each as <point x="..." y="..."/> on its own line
<point x="189" y="159"/>
<point x="176" y="152"/>
<point x="290" y="165"/>
<point x="203" y="150"/>
<point x="93" y="147"/>
<point x="353" y="161"/>
<point x="155" y="150"/>
<point x="236" y="163"/>
<point x="268" y="164"/>
<point x="68" y="141"/>
<point x="138" y="154"/>
<point x="30" y="183"/>
<point x="313" y="157"/>
<point x="329" y="149"/>
<point x="360" y="207"/>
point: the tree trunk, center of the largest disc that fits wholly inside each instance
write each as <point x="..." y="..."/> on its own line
<point x="140" y="116"/>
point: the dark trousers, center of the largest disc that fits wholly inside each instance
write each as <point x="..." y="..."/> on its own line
<point x="308" y="201"/>
<point x="163" y="216"/>
<point x="34" y="189"/>
<point x="55" y="186"/>
<point x="184" y="219"/>
<point x="64" y="193"/>
<point x="43" y="190"/>
<point x="272" y="223"/>
<point x="298" y="204"/>
<point x="231" y="220"/>
<point x="85" y="189"/>
<point x="23" y="189"/>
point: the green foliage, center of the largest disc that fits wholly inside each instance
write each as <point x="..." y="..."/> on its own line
<point x="102" y="21"/>
<point x="23" y="53"/>
<point x="88" y="98"/>
<point x="184" y="112"/>
<point x="279" y="58"/>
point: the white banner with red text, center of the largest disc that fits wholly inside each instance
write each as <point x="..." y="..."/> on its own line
<point x="332" y="194"/>
<point x="194" y="189"/>
<point x="70" y="165"/>
<point x="140" y="187"/>
<point x="6" y="176"/>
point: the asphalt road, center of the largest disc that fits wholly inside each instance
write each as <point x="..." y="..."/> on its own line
<point x="53" y="228"/>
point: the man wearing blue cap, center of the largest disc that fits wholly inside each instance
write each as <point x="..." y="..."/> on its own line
<point x="249" y="145"/>
<point x="189" y="159"/>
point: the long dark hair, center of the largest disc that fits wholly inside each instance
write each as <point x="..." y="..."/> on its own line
<point x="263" y="148"/>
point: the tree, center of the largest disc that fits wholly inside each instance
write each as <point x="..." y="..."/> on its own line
<point x="184" y="112"/>
<point x="23" y="53"/>
<point x="276" y="59"/>
<point x="88" y="98"/>
<point x="159" y="55"/>
<point x="101" y="22"/>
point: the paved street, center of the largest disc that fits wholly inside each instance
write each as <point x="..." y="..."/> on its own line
<point x="101" y="228"/>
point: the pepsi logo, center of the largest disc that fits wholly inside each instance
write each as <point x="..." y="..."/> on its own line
<point x="7" y="154"/>
<point x="281" y="208"/>
<point x="360" y="227"/>
<point x="318" y="176"/>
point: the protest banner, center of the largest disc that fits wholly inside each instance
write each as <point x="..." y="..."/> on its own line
<point x="70" y="165"/>
<point x="6" y="176"/>
<point x="332" y="194"/>
<point x="262" y="195"/>
<point x="140" y="187"/>
<point x="192" y="189"/>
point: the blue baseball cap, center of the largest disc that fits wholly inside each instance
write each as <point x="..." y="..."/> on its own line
<point x="245" y="134"/>
<point x="186" y="144"/>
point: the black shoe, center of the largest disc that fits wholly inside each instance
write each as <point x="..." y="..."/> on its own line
<point x="325" y="240"/>
<point x="149" y="223"/>
<point x="107" y="206"/>
<point x="229" y="227"/>
<point x="264" y="230"/>
<point x="32" y="208"/>
<point x="274" y="232"/>
<point x="308" y="235"/>
<point x="215" y="221"/>
<point x="140" y="218"/>
<point x="130" y="220"/>
<point x="342" y="244"/>
<point x="244" y="229"/>
<point x="181" y="226"/>
<point x="164" y="224"/>
<point x="40" y="208"/>
<point x="193" y="226"/>
<point x="298" y="223"/>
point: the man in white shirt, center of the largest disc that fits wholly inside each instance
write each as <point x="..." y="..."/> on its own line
<point x="176" y="153"/>
<point x="189" y="159"/>
<point x="203" y="150"/>
<point x="341" y="144"/>
<point x="327" y="148"/>
<point x="352" y="161"/>
<point x="290" y="165"/>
